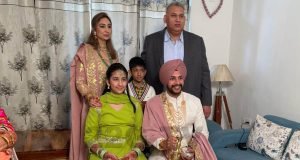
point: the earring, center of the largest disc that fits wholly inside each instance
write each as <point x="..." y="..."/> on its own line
<point x="95" y="33"/>
<point x="108" y="87"/>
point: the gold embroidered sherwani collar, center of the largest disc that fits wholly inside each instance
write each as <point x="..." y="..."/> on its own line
<point x="174" y="100"/>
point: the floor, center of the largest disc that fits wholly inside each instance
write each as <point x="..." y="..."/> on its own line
<point x="44" y="155"/>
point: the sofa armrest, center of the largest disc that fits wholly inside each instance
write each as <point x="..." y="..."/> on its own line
<point x="224" y="138"/>
<point x="212" y="126"/>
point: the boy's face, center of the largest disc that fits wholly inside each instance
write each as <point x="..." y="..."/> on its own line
<point x="138" y="73"/>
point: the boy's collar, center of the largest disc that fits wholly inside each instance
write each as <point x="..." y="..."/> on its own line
<point x="139" y="85"/>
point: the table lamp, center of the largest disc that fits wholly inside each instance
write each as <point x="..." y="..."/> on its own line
<point x="221" y="74"/>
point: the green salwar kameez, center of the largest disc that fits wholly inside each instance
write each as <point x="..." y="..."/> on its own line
<point x="116" y="131"/>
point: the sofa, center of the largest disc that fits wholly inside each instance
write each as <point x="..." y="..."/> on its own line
<point x="225" y="142"/>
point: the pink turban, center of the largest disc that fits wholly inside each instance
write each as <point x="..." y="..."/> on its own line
<point x="168" y="68"/>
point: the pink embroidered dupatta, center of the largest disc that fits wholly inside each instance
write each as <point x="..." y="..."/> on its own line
<point x="79" y="109"/>
<point x="202" y="147"/>
<point x="154" y="128"/>
<point x="95" y="78"/>
<point x="158" y="127"/>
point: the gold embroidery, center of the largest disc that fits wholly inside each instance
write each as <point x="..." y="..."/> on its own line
<point x="93" y="73"/>
<point x="96" y="74"/>
<point x="197" y="149"/>
<point x="80" y="67"/>
<point x="176" y="119"/>
<point x="80" y="80"/>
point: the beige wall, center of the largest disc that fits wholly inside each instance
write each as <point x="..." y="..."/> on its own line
<point x="216" y="32"/>
<point x="264" y="57"/>
<point x="260" y="42"/>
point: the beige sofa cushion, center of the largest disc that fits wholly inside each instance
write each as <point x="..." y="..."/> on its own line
<point x="292" y="150"/>
<point x="268" y="138"/>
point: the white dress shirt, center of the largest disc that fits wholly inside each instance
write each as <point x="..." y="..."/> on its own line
<point x="173" y="50"/>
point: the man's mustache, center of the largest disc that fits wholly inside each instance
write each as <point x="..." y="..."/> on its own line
<point x="177" y="85"/>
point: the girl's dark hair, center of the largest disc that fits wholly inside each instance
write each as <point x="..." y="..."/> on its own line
<point x="94" y="42"/>
<point x="118" y="66"/>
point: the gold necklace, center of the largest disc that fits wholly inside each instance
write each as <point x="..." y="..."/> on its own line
<point x="102" y="59"/>
<point x="103" y="49"/>
<point x="176" y="119"/>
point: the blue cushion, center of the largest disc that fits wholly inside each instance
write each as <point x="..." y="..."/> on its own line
<point x="224" y="138"/>
<point x="283" y="122"/>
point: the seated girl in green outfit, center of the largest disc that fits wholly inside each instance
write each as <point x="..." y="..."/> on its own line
<point x="113" y="131"/>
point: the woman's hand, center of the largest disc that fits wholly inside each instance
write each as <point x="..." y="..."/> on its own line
<point x="94" y="102"/>
<point x="132" y="155"/>
<point x="140" y="145"/>
<point x="110" y="156"/>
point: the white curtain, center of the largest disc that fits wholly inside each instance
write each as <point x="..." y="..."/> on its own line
<point x="38" y="39"/>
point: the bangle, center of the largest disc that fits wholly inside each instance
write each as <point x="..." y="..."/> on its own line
<point x="4" y="128"/>
<point x="140" y="145"/>
<point x="138" y="151"/>
<point x="6" y="140"/>
<point x="97" y="151"/>
<point x="103" y="151"/>
<point x="12" y="140"/>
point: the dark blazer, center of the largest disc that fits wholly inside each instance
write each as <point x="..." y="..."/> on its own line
<point x="197" y="81"/>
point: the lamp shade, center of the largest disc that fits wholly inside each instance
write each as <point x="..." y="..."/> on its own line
<point x="221" y="73"/>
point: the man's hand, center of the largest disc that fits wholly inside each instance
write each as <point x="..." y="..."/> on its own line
<point x="169" y="144"/>
<point x="206" y="111"/>
<point x="132" y="155"/>
<point x="187" y="153"/>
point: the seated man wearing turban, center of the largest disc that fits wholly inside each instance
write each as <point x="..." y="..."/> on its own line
<point x="174" y="122"/>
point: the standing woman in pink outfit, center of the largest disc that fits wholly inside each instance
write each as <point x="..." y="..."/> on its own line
<point x="87" y="80"/>
<point x="8" y="137"/>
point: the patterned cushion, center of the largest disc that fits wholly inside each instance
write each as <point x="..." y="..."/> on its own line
<point x="292" y="151"/>
<point x="268" y="138"/>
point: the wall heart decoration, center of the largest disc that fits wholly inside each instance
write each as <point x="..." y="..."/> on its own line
<point x="211" y="14"/>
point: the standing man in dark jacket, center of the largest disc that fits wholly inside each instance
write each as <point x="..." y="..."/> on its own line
<point x="175" y="43"/>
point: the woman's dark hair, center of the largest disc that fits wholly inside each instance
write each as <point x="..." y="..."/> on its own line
<point x="94" y="42"/>
<point x="118" y="66"/>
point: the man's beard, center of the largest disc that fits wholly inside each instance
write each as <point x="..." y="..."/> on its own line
<point x="174" y="93"/>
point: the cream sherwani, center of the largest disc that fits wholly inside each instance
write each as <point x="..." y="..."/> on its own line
<point x="193" y="116"/>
